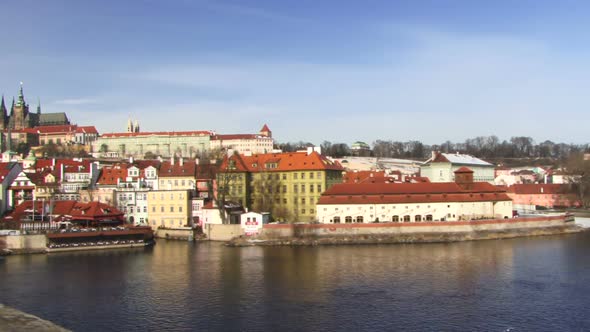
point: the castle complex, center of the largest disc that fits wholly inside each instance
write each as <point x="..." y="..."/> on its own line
<point x="21" y="118"/>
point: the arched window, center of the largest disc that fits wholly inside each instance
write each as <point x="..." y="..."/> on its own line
<point x="406" y="218"/>
<point x="336" y="220"/>
<point x="417" y="217"/>
<point x="348" y="219"/>
<point x="395" y="219"/>
<point x="428" y="217"/>
<point x="359" y="219"/>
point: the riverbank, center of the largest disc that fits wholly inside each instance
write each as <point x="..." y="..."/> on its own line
<point x="15" y="320"/>
<point x="394" y="233"/>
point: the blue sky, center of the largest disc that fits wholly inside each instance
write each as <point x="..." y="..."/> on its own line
<point x="312" y="70"/>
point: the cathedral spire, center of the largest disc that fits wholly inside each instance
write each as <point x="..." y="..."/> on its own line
<point x="3" y="108"/>
<point x="39" y="106"/>
<point x="21" y="96"/>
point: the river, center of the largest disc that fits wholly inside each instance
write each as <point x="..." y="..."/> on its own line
<point x="526" y="284"/>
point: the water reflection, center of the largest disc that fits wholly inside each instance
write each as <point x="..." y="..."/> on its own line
<point x="485" y="285"/>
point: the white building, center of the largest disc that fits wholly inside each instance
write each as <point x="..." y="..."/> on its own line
<point x="245" y="143"/>
<point x="441" y="167"/>
<point x="414" y="202"/>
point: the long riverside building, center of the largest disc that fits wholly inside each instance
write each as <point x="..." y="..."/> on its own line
<point x="414" y="202"/>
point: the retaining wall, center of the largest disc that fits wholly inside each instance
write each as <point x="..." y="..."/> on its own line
<point x="24" y="243"/>
<point x="218" y="232"/>
<point x="174" y="233"/>
<point x="446" y="227"/>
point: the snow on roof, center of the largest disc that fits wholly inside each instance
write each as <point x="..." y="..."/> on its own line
<point x="464" y="159"/>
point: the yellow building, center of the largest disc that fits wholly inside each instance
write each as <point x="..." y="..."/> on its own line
<point x="169" y="209"/>
<point x="176" y="174"/>
<point x="286" y="184"/>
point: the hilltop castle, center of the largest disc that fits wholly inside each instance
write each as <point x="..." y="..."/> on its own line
<point x="21" y="118"/>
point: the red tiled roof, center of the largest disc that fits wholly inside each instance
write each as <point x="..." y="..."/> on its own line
<point x="463" y="170"/>
<point x="285" y="162"/>
<point x="87" y="130"/>
<point x="390" y="193"/>
<point x="176" y="170"/>
<point x="5" y="168"/>
<point x="77" y="210"/>
<point x="158" y="133"/>
<point x="265" y="128"/>
<point x="110" y="175"/>
<point x="55" y="129"/>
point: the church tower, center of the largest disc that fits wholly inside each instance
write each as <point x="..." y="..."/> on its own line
<point x="20" y="112"/>
<point x="136" y="127"/>
<point x="3" y="114"/>
<point x="129" y="126"/>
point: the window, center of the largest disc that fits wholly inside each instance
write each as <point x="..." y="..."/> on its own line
<point x="348" y="219"/>
<point x="311" y="187"/>
<point x="172" y="209"/>
<point x="417" y="217"/>
<point x="302" y="211"/>
<point x="406" y="218"/>
<point x="145" y="209"/>
<point x="302" y="188"/>
<point x="359" y="219"/>
<point x="284" y="189"/>
<point x="319" y="175"/>
<point x="131" y="209"/>
<point x="428" y="217"/>
<point x="319" y="188"/>
<point x="284" y="201"/>
<point x="161" y="208"/>
<point x="303" y="200"/>
<point x="395" y="219"/>
<point x="302" y="176"/>
<point x="180" y="209"/>
<point x="311" y="211"/>
<point x="336" y="220"/>
<point x="284" y="176"/>
<point x="311" y="175"/>
<point x="295" y="188"/>
<point x="294" y="176"/>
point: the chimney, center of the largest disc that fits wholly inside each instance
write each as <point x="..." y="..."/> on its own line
<point x="309" y="150"/>
<point x="433" y="154"/>
<point x="131" y="159"/>
<point x="172" y="160"/>
<point x="181" y="161"/>
<point x="464" y="178"/>
<point x="196" y="161"/>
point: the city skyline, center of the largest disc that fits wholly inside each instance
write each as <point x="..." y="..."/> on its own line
<point x="426" y="71"/>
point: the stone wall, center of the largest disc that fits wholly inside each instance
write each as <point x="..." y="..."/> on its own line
<point x="216" y="232"/>
<point x="174" y="234"/>
<point x="24" y="243"/>
<point x="319" y="230"/>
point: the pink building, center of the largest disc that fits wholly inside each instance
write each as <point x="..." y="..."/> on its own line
<point x="546" y="195"/>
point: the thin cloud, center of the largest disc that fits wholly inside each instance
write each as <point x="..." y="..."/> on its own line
<point x="77" y="101"/>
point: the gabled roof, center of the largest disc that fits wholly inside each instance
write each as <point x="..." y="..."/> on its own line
<point x="53" y="118"/>
<point x="109" y="175"/>
<point x="457" y="159"/>
<point x="87" y="130"/>
<point x="264" y="128"/>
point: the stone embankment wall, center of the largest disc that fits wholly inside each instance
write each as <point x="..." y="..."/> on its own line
<point x="312" y="234"/>
<point x="216" y="232"/>
<point x="24" y="243"/>
<point x="298" y="230"/>
<point x="174" y="233"/>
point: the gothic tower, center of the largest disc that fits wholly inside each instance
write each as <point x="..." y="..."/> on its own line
<point x="20" y="112"/>
<point x="3" y="114"/>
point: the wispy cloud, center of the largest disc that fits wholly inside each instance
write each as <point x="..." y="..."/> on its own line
<point x="77" y="101"/>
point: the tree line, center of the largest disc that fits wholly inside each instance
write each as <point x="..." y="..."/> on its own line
<point x="486" y="147"/>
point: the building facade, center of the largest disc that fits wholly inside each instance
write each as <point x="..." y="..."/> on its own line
<point x="286" y="184"/>
<point x="441" y="167"/>
<point x="414" y="202"/>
